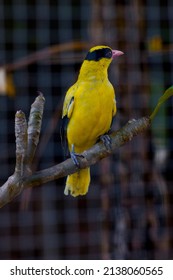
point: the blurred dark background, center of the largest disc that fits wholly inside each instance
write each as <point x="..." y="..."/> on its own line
<point x="127" y="213"/>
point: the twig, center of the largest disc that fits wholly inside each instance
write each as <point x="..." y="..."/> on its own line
<point x="45" y="53"/>
<point x="34" y="127"/>
<point x="21" y="142"/>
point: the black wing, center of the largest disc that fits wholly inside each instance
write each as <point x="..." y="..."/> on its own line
<point x="63" y="134"/>
<point x="64" y="123"/>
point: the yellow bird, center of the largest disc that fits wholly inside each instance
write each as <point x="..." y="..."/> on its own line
<point x="88" y="109"/>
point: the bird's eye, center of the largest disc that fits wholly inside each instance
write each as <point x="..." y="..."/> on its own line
<point x="109" y="54"/>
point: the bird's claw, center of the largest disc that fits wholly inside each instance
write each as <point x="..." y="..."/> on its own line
<point x="106" y="139"/>
<point x="74" y="157"/>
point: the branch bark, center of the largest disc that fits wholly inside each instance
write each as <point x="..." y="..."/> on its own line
<point x="27" y="139"/>
<point x="91" y="156"/>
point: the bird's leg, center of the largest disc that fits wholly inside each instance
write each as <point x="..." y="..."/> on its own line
<point x="74" y="156"/>
<point x="106" y="139"/>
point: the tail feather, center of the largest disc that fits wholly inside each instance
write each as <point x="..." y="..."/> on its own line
<point x="78" y="183"/>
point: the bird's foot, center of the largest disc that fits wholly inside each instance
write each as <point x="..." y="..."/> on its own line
<point x="106" y="139"/>
<point x="74" y="156"/>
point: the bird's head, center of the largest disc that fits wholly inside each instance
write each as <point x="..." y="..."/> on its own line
<point x="99" y="58"/>
<point x="100" y="53"/>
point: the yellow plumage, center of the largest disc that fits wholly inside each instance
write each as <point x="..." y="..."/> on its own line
<point x="89" y="107"/>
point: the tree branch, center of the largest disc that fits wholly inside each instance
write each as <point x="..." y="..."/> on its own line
<point x="27" y="139"/>
<point x="91" y="156"/>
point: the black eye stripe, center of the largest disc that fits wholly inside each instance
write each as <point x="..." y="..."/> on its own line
<point x="99" y="54"/>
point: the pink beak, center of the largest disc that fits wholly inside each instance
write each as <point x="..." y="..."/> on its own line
<point x="116" y="53"/>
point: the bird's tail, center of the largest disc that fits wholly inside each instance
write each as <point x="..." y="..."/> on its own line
<point x="78" y="183"/>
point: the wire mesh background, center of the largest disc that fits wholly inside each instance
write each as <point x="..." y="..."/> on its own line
<point x="127" y="213"/>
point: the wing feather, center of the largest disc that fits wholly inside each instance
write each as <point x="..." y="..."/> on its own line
<point x="66" y="115"/>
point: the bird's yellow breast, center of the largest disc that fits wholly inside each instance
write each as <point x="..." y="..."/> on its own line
<point x="94" y="107"/>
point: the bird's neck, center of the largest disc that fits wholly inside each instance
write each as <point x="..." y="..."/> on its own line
<point x="93" y="71"/>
